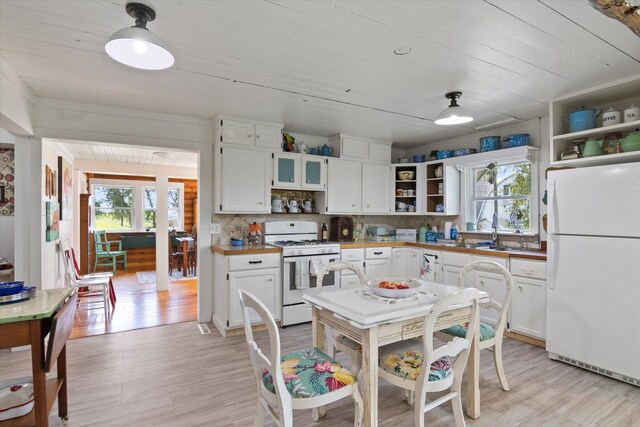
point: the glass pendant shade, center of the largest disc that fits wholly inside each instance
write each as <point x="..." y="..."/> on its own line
<point x="453" y="116"/>
<point x="139" y="48"/>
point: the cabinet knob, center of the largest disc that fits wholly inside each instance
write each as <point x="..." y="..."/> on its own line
<point x="368" y="205"/>
<point x="269" y="280"/>
<point x="249" y="136"/>
<point x="257" y="136"/>
<point x="260" y="203"/>
<point x="353" y="205"/>
<point x="520" y="287"/>
<point x="482" y="282"/>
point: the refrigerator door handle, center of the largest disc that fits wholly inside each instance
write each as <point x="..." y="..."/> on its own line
<point x="554" y="249"/>
<point x="554" y="209"/>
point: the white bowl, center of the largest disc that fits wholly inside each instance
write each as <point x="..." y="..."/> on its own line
<point x="394" y="293"/>
<point x="406" y="175"/>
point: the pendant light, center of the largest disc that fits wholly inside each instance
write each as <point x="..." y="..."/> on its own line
<point x="454" y="114"/>
<point x="138" y="47"/>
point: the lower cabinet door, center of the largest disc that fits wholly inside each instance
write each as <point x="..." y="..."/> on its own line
<point x="261" y="283"/>
<point x="377" y="268"/>
<point x="528" y="314"/>
<point x="398" y="262"/>
<point x="350" y="281"/>
<point x="450" y="274"/>
<point x="495" y="286"/>
<point x="414" y="263"/>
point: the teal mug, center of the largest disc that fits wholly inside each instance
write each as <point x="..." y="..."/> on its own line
<point x="471" y="226"/>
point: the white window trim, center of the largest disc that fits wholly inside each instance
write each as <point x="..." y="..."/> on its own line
<point x="468" y="187"/>
<point x="138" y="201"/>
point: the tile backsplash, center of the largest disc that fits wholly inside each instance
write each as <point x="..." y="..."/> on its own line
<point x="237" y="226"/>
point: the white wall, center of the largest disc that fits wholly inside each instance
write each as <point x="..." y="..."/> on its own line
<point x="52" y="266"/>
<point x="7" y="223"/>
<point x="16" y="102"/>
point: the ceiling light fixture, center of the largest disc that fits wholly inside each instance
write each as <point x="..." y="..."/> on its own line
<point x="454" y="114"/>
<point x="138" y="47"/>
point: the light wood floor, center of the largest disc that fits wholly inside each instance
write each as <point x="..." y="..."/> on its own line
<point x="140" y="306"/>
<point x="174" y="376"/>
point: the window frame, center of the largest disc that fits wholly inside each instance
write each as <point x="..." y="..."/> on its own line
<point x="172" y="186"/>
<point x="138" y="209"/>
<point x="469" y="188"/>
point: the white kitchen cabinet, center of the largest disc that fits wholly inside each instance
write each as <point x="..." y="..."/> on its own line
<point x="258" y="274"/>
<point x="238" y="131"/>
<point x="378" y="262"/>
<point x="262" y="284"/>
<point x="399" y="262"/>
<point x="268" y="136"/>
<point x="452" y="263"/>
<point x="286" y="170"/>
<point x="443" y="189"/>
<point x="375" y="188"/>
<point x="380" y="152"/>
<point x="348" y="279"/>
<point x="413" y="263"/>
<point x="314" y="173"/>
<point x="494" y="284"/>
<point x="344" y="187"/>
<point x="243" y="181"/>
<point x="353" y="147"/>
<point x="528" y="312"/>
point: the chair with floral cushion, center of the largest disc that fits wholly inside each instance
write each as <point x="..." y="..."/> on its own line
<point x="339" y="341"/>
<point x="304" y="379"/>
<point x="490" y="336"/>
<point x="402" y="363"/>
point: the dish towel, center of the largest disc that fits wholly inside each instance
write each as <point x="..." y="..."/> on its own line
<point x="302" y="274"/>
<point x="317" y="264"/>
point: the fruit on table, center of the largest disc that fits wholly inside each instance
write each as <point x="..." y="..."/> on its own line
<point x="393" y="285"/>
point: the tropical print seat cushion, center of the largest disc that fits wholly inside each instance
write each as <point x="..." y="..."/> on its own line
<point x="310" y="373"/>
<point x="406" y="362"/>
<point x="486" y="331"/>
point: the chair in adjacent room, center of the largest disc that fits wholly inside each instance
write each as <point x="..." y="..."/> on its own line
<point x="341" y="342"/>
<point x="91" y="288"/>
<point x="490" y="336"/>
<point x="403" y="364"/>
<point x="193" y="251"/>
<point x="105" y="256"/>
<point x="300" y="380"/>
<point x="175" y="252"/>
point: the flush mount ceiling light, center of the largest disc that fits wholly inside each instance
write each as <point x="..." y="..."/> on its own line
<point x="138" y="47"/>
<point x="454" y="114"/>
<point x="404" y="50"/>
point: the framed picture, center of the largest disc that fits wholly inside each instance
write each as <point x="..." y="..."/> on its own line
<point x="47" y="181"/>
<point x="65" y="186"/>
<point x="52" y="232"/>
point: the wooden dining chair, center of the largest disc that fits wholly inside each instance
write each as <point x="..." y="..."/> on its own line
<point x="339" y="341"/>
<point x="175" y="251"/>
<point x="105" y="255"/>
<point x="490" y="335"/>
<point x="403" y="363"/>
<point x="303" y="379"/>
<point x="90" y="287"/>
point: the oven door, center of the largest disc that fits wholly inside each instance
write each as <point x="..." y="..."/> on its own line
<point x="298" y="277"/>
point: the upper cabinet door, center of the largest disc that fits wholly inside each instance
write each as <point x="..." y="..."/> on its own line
<point x="286" y="170"/>
<point x="269" y="136"/>
<point x="355" y="148"/>
<point x="314" y="172"/>
<point x="343" y="186"/>
<point x="245" y="181"/>
<point x="237" y="132"/>
<point x="380" y="152"/>
<point x="375" y="188"/>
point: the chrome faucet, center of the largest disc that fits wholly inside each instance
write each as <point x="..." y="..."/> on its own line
<point x="494" y="225"/>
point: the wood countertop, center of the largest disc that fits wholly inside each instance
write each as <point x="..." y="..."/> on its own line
<point x="527" y="254"/>
<point x="245" y="249"/>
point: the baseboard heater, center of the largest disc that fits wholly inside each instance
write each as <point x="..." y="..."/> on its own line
<point x="596" y="369"/>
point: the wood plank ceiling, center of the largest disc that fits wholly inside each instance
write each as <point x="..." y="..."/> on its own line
<point x="323" y="67"/>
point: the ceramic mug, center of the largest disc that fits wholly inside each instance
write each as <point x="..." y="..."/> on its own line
<point x="412" y="208"/>
<point x="401" y="206"/>
<point x="307" y="205"/>
<point x="471" y="226"/>
<point x="411" y="193"/>
<point x="399" y="192"/>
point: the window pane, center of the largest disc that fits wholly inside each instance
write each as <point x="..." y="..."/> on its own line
<point x="514" y="180"/>
<point x="513" y="214"/>
<point x="150" y="219"/>
<point x="174" y="215"/>
<point x="485" y="180"/>
<point x="149" y="196"/>
<point x="174" y="198"/>
<point x="483" y="214"/>
<point x="113" y="197"/>
<point x="113" y="218"/>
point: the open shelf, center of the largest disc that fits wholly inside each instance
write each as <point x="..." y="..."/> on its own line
<point x="605" y="159"/>
<point x="598" y="132"/>
<point x="406" y="180"/>
<point x="52" y="387"/>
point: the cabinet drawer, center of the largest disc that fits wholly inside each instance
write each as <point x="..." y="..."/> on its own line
<point x="359" y="264"/>
<point x="532" y="269"/>
<point x="252" y="262"/>
<point x="374" y="253"/>
<point x="352" y="254"/>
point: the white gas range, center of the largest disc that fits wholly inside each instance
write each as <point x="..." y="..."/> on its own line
<point x="302" y="257"/>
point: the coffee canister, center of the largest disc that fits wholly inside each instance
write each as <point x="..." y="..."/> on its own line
<point x="631" y="114"/>
<point x="611" y="117"/>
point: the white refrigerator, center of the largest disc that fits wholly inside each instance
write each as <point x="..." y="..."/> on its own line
<point x="593" y="283"/>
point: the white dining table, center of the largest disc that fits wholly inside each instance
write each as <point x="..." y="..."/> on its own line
<point x="374" y="322"/>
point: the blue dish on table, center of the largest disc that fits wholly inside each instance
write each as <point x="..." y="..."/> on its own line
<point x="516" y="140"/>
<point x="11" y="288"/>
<point x="444" y="154"/>
<point x="489" y="143"/>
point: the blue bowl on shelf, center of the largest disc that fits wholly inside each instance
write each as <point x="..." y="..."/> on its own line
<point x="464" y="152"/>
<point x="444" y="154"/>
<point x="11" y="288"/>
<point x="419" y="158"/>
<point x="515" y="140"/>
<point x="489" y="143"/>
